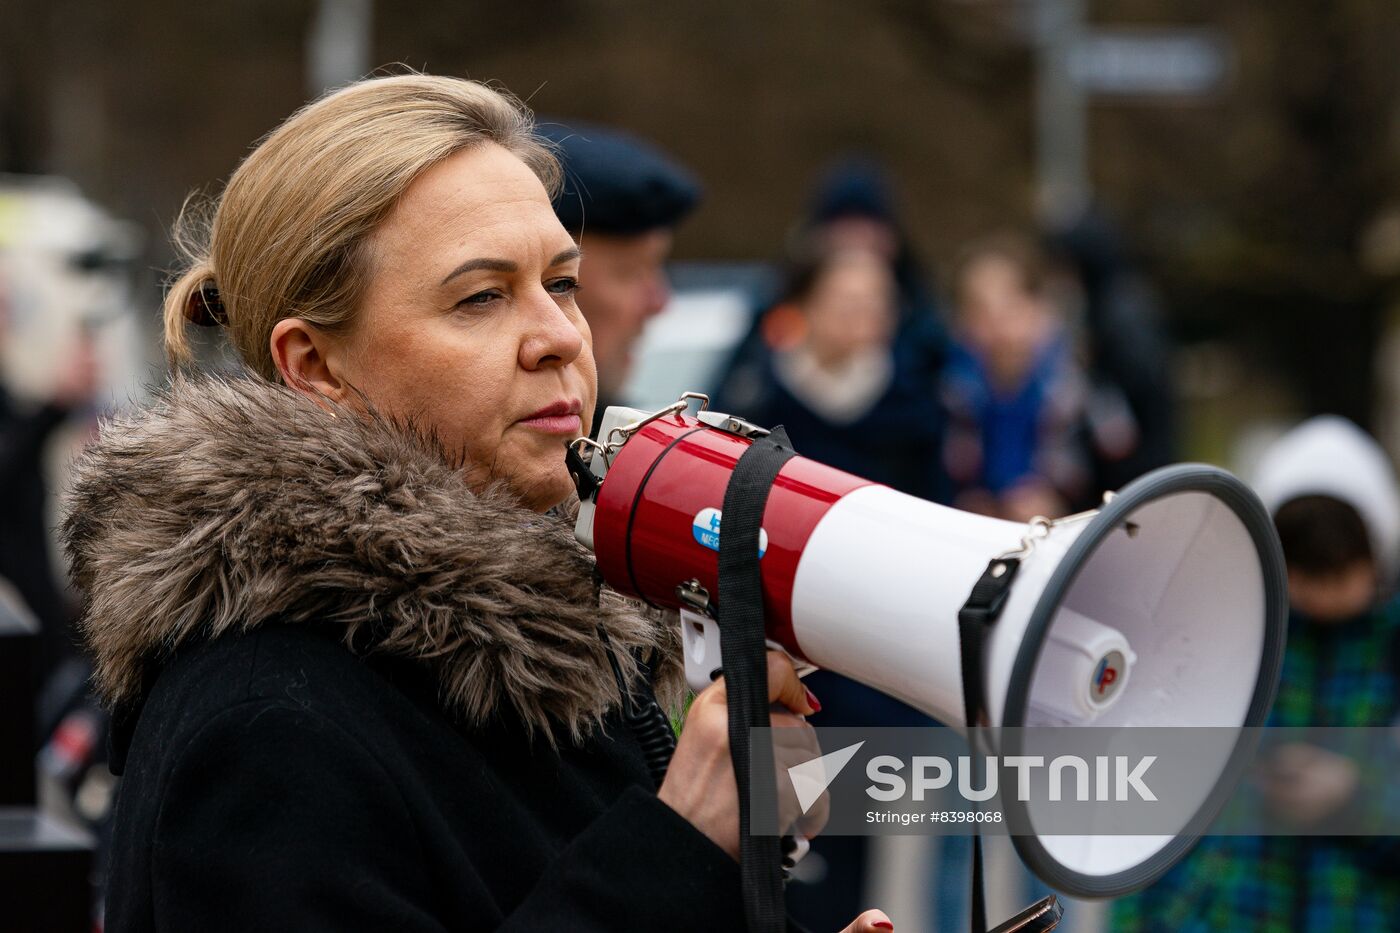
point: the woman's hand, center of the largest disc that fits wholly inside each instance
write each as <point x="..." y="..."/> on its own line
<point x="700" y="784"/>
<point x="872" y="921"/>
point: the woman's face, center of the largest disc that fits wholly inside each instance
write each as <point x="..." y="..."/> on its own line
<point x="851" y="308"/>
<point x="470" y="326"/>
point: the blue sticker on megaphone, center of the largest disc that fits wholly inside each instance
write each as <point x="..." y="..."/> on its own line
<point x="705" y="528"/>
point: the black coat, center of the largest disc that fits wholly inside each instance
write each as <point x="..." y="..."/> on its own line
<point x="277" y="782"/>
<point x="351" y="694"/>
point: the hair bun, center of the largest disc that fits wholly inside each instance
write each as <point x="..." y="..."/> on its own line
<point x="205" y="307"/>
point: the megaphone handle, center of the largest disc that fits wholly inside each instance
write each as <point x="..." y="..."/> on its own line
<point x="701" y="649"/>
<point x="704" y="657"/>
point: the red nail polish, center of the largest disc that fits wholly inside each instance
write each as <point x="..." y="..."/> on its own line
<point x="813" y="702"/>
<point x="883" y="925"/>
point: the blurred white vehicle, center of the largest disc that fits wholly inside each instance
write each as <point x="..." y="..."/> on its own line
<point x="684" y="347"/>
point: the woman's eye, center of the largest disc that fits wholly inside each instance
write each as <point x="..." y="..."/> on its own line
<point x="564" y="286"/>
<point x="480" y="298"/>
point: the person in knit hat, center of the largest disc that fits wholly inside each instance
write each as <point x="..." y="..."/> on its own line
<point x="1333" y="496"/>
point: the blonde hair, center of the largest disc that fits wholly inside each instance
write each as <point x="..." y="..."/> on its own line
<point x="287" y="238"/>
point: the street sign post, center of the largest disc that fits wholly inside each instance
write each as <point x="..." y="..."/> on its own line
<point x="1077" y="63"/>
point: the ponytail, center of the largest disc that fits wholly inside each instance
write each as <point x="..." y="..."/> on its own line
<point x="192" y="297"/>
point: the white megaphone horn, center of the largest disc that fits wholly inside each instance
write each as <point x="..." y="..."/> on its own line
<point x="1165" y="607"/>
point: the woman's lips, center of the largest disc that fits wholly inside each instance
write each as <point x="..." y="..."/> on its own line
<point x="560" y="418"/>
<point x="555" y="424"/>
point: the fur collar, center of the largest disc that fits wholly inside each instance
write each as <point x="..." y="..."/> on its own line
<point x="230" y="503"/>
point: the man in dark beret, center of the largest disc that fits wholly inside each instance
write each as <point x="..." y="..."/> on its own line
<point x="622" y="200"/>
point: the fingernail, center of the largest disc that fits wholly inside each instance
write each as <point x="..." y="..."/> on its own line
<point x="816" y="705"/>
<point x="883" y="925"/>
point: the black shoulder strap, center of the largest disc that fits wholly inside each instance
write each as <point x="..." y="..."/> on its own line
<point x="742" y="636"/>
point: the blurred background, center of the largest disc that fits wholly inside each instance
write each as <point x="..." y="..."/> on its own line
<point x="1245" y="154"/>
<point x="1154" y="230"/>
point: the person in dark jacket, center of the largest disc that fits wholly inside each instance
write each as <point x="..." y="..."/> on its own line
<point x="852" y="211"/>
<point x="25" y="536"/>
<point x="362" y="677"/>
<point x="1132" y="418"/>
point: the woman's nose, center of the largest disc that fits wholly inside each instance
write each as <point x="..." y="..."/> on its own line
<point x="552" y="336"/>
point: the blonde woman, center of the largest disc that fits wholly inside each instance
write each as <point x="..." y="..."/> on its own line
<point x="361" y="678"/>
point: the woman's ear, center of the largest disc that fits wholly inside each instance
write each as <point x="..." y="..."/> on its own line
<point x="303" y="355"/>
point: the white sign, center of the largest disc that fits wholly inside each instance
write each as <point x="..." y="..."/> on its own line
<point x="1156" y="62"/>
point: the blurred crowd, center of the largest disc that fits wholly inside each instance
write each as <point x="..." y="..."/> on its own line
<point x="1029" y="377"/>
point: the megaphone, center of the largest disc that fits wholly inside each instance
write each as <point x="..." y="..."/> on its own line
<point x="1164" y="607"/>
